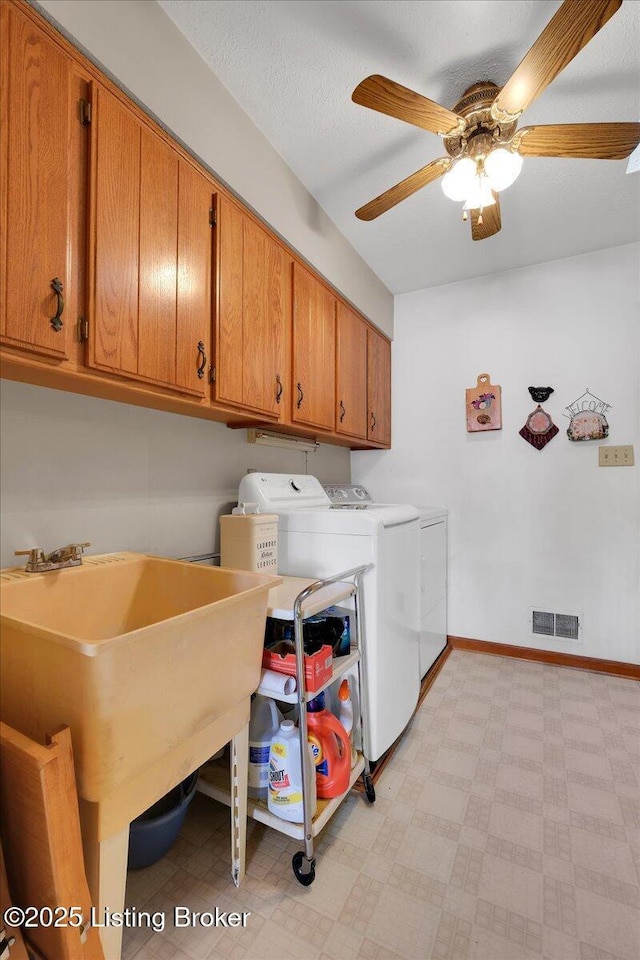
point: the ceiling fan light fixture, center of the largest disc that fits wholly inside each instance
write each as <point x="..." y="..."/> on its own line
<point x="458" y="181"/>
<point x="502" y="168"/>
<point x="480" y="194"/>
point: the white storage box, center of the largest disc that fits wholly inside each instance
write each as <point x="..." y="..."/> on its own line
<point x="249" y="542"/>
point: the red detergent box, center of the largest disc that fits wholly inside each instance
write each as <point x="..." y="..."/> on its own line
<point x="318" y="667"/>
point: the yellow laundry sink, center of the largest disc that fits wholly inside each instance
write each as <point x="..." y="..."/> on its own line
<point x="141" y="657"/>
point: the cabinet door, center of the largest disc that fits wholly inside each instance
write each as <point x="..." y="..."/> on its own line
<point x="379" y="387"/>
<point x="151" y="261"/>
<point x="158" y="273"/>
<point x="351" y="373"/>
<point x="114" y="264"/>
<point x="266" y="311"/>
<point x="229" y="332"/>
<point x="195" y="265"/>
<point x="314" y="345"/>
<point x="253" y="314"/>
<point x="35" y="187"/>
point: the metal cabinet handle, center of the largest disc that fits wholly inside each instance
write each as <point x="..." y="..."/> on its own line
<point x="373" y="421"/>
<point x="300" y="396"/>
<point x="279" y="388"/>
<point x="342" y="411"/>
<point x="56" y="286"/>
<point x="202" y="361"/>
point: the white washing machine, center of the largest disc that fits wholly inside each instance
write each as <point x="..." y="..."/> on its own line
<point x="433" y="567"/>
<point x="316" y="540"/>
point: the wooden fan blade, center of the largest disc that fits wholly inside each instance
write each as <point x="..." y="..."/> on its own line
<point x="387" y="96"/>
<point x="404" y="189"/>
<point x="568" y="31"/>
<point x="491" y="221"/>
<point x="600" y="141"/>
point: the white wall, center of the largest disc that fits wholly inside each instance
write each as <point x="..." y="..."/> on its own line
<point x="546" y="528"/>
<point x="75" y="468"/>
<point x="140" y="46"/>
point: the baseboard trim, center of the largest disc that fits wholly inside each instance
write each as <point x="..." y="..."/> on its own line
<point x="615" y="667"/>
<point x="432" y="673"/>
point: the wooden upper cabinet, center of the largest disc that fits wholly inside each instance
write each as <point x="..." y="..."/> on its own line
<point x="106" y="220"/>
<point x="379" y="387"/>
<point x="314" y="346"/>
<point x="254" y="311"/>
<point x="150" y="254"/>
<point x="351" y="373"/>
<point x="35" y="187"/>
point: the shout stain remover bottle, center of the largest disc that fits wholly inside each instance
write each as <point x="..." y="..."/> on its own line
<point x="330" y="747"/>
<point x="285" y="774"/>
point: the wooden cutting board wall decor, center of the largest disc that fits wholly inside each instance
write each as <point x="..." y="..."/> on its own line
<point x="484" y="405"/>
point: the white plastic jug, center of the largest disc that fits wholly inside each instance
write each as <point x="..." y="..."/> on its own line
<point x="346" y="716"/>
<point x="285" y="798"/>
<point x="264" y="722"/>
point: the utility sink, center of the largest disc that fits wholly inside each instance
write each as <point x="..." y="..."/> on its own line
<point x="138" y="655"/>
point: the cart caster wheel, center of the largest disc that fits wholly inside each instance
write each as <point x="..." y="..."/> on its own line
<point x="303" y="876"/>
<point x="370" y="790"/>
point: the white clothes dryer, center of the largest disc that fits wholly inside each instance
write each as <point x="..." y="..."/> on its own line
<point x="433" y="567"/>
<point x="433" y="585"/>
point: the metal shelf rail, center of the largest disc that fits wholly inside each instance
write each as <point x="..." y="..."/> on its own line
<point x="304" y="862"/>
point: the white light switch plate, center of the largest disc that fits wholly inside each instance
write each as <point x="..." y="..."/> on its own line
<point x="616" y="456"/>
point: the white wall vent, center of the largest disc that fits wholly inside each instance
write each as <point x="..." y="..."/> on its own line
<point x="549" y="623"/>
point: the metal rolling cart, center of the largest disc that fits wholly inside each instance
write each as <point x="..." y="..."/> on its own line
<point x="300" y="599"/>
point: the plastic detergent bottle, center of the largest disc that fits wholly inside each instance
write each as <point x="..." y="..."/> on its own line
<point x="264" y="722"/>
<point x="330" y="747"/>
<point x="346" y="716"/>
<point x="285" y="797"/>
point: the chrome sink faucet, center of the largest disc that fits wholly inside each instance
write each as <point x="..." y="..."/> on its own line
<point x="39" y="562"/>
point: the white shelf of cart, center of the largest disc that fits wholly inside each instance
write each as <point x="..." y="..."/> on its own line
<point x="281" y="599"/>
<point x="340" y="665"/>
<point x="214" y="782"/>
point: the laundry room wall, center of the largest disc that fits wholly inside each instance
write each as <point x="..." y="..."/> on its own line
<point x="547" y="529"/>
<point x="75" y="469"/>
<point x="145" y="53"/>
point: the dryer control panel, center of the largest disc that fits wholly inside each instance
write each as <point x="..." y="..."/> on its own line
<point x="348" y="495"/>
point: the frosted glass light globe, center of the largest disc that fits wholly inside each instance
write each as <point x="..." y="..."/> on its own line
<point x="458" y="181"/>
<point x="480" y="195"/>
<point x="502" y="168"/>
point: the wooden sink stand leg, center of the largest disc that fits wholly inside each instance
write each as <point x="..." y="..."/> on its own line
<point x="106" y="868"/>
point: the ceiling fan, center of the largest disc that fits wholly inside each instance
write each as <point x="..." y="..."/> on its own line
<point x="485" y="148"/>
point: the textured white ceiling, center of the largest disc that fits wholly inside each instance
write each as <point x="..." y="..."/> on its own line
<point x="292" y="65"/>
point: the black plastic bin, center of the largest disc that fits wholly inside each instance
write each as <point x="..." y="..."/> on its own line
<point x="154" y="832"/>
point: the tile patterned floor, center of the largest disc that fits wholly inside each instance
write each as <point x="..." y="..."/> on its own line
<point x="506" y="827"/>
